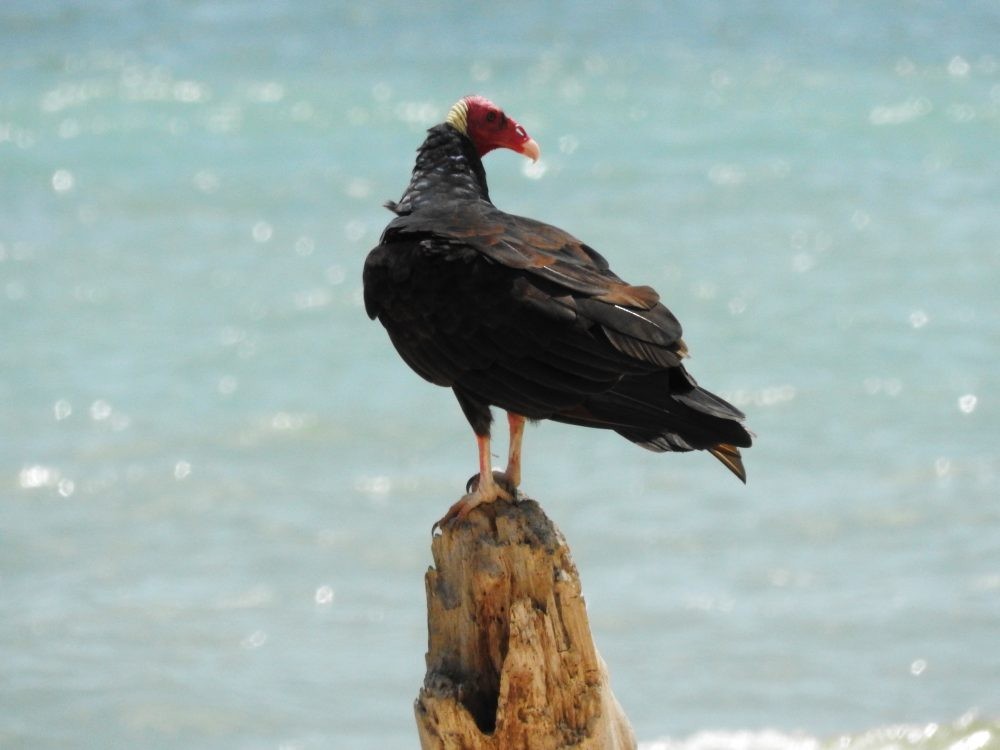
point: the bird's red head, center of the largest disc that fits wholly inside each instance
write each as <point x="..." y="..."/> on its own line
<point x="488" y="127"/>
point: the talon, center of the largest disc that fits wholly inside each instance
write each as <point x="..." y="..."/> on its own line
<point x="489" y="485"/>
<point x="497" y="487"/>
<point x="457" y="511"/>
<point x="508" y="489"/>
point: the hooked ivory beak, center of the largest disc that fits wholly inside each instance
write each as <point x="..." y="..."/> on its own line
<point x="530" y="149"/>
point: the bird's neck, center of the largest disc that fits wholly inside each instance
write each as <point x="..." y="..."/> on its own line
<point x="447" y="168"/>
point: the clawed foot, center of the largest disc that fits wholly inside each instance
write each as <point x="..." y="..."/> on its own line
<point x="499" y="487"/>
<point x="499" y="478"/>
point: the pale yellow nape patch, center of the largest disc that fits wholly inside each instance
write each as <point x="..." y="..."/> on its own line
<point x="458" y="117"/>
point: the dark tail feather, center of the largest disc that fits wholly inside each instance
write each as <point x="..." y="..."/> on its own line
<point x="729" y="455"/>
<point x="667" y="411"/>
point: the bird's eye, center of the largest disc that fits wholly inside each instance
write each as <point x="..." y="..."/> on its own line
<point x="491" y="116"/>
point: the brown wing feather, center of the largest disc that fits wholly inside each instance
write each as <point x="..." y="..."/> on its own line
<point x="522" y="243"/>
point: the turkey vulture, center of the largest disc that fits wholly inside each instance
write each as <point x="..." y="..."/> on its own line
<point x="510" y="312"/>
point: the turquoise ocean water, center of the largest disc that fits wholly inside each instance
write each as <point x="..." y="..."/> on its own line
<point x="217" y="479"/>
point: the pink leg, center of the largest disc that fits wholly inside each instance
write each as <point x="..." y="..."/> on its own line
<point x="513" y="471"/>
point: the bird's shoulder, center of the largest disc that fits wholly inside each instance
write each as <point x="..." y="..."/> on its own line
<point x="522" y="243"/>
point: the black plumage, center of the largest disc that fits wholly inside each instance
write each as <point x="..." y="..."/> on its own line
<point x="517" y="314"/>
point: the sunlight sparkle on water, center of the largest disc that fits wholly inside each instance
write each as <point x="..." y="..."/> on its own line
<point x="100" y="410"/>
<point x="480" y="71"/>
<point x="568" y="144"/>
<point x="310" y="299"/>
<point x="227" y="385"/>
<point x="534" y="170"/>
<point x="354" y="230"/>
<point x="189" y="203"/>
<point x="206" y="181"/>
<point x="255" y="640"/>
<point x="417" y="113"/>
<point x="802" y="262"/>
<point x="860" y="219"/>
<point x="33" y="477"/>
<point x="958" y="66"/>
<point x="967" y="403"/>
<point x="284" y="420"/>
<point x="888" y="386"/>
<point x="267" y="92"/>
<point x="942" y="467"/>
<point x="768" y="396"/>
<point x="727" y="174"/>
<point x="302" y="111"/>
<point x="305" y="246"/>
<point x="902" y="112"/>
<point x="359" y="188"/>
<point x="335" y="275"/>
<point x="61" y="409"/>
<point x="62" y="180"/>
<point x="378" y="485"/>
<point x="262" y="231"/>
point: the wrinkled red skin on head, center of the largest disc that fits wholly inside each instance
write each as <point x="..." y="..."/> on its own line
<point x="489" y="128"/>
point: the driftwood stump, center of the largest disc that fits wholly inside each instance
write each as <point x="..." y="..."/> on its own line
<point x="510" y="661"/>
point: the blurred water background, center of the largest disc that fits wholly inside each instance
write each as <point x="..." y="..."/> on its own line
<point x="217" y="479"/>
